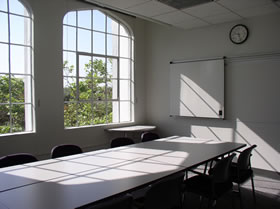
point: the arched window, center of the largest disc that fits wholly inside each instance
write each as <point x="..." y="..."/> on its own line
<point x="97" y="69"/>
<point x="16" y="102"/>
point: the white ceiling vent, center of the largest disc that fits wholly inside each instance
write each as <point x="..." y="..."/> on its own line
<point x="182" y="4"/>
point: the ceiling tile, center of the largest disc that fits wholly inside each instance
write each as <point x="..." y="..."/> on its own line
<point x="221" y="18"/>
<point x="259" y="10"/>
<point x="191" y="23"/>
<point x="205" y="10"/>
<point x="150" y="9"/>
<point x="122" y="4"/>
<point x="242" y="4"/>
<point x="173" y="17"/>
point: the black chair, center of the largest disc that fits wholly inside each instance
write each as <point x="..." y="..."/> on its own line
<point x="214" y="185"/>
<point x="121" y="202"/>
<point x="121" y="141"/>
<point x="164" y="194"/>
<point x="149" y="136"/>
<point x="17" y="159"/>
<point x="65" y="150"/>
<point x="241" y="171"/>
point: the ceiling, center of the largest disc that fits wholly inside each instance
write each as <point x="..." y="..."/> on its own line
<point x="204" y="14"/>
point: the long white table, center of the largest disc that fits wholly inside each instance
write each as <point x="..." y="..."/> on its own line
<point x="77" y="180"/>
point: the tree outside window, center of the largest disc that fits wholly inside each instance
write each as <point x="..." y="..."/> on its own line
<point x="97" y="69"/>
<point x="16" y="106"/>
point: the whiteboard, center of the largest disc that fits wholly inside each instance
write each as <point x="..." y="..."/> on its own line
<point x="197" y="88"/>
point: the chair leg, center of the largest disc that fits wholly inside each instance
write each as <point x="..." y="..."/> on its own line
<point x="240" y="197"/>
<point x="212" y="203"/>
<point x="253" y="190"/>
<point x="201" y="201"/>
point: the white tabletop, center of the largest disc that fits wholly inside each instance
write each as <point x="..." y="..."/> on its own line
<point x="82" y="179"/>
<point x="138" y="128"/>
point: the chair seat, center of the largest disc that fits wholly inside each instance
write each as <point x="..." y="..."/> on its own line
<point x="202" y="185"/>
<point x="244" y="175"/>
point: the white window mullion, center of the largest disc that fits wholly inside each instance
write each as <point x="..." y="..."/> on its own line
<point x="77" y="73"/>
<point x="9" y="64"/>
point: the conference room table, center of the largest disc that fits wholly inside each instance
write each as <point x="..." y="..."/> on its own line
<point x="77" y="180"/>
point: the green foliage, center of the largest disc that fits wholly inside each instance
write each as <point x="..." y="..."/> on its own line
<point x="13" y="113"/>
<point x="79" y="110"/>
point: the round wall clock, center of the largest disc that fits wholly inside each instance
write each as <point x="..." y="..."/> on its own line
<point x="238" y="34"/>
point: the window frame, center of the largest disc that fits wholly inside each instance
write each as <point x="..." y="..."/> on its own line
<point x="104" y="56"/>
<point x="28" y="101"/>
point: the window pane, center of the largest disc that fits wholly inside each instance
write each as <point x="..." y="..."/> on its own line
<point x="70" y="114"/>
<point x="4" y="119"/>
<point x="69" y="64"/>
<point x="112" y="26"/>
<point x="84" y="19"/>
<point x="112" y="89"/>
<point x="109" y="112"/>
<point x="84" y="40"/>
<point x="99" y="89"/>
<point x="124" y="111"/>
<point x="17" y="8"/>
<point x="124" y="68"/>
<point x="20" y="59"/>
<point x="84" y="114"/>
<point x="18" y="117"/>
<point x="124" y="90"/>
<point x="112" y="68"/>
<point x="4" y="27"/>
<point x="132" y="50"/>
<point x="112" y="45"/>
<point x="124" y="47"/>
<point x="99" y="114"/>
<point x="84" y="66"/>
<point x="18" y="84"/>
<point x="20" y="30"/>
<point x="98" y="43"/>
<point x="70" y="89"/>
<point x="69" y="38"/>
<point x="132" y="93"/>
<point x="115" y="114"/>
<point x="85" y="89"/>
<point x="4" y="89"/>
<point x="99" y="69"/>
<point x="3" y="5"/>
<point x="132" y="71"/>
<point x="70" y="19"/>
<point x="123" y="31"/>
<point x="4" y="58"/>
<point x="98" y="21"/>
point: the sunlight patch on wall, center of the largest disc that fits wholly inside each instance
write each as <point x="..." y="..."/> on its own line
<point x="215" y="133"/>
<point x="265" y="156"/>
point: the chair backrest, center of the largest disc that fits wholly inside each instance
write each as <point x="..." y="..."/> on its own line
<point x="122" y="202"/>
<point x="17" y="159"/>
<point x="221" y="170"/>
<point x="149" y="136"/>
<point x="65" y="150"/>
<point x="243" y="162"/>
<point x="121" y="141"/>
<point x="166" y="193"/>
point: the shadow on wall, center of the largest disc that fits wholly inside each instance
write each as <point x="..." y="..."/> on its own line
<point x="251" y="107"/>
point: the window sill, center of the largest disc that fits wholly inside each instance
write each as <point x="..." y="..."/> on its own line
<point x="17" y="134"/>
<point x="106" y="126"/>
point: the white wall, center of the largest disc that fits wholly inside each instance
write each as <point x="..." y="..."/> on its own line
<point x="48" y="33"/>
<point x="247" y="94"/>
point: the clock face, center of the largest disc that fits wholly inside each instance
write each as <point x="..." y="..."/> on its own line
<point x="239" y="34"/>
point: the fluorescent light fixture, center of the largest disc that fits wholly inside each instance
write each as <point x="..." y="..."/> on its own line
<point x="182" y="4"/>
